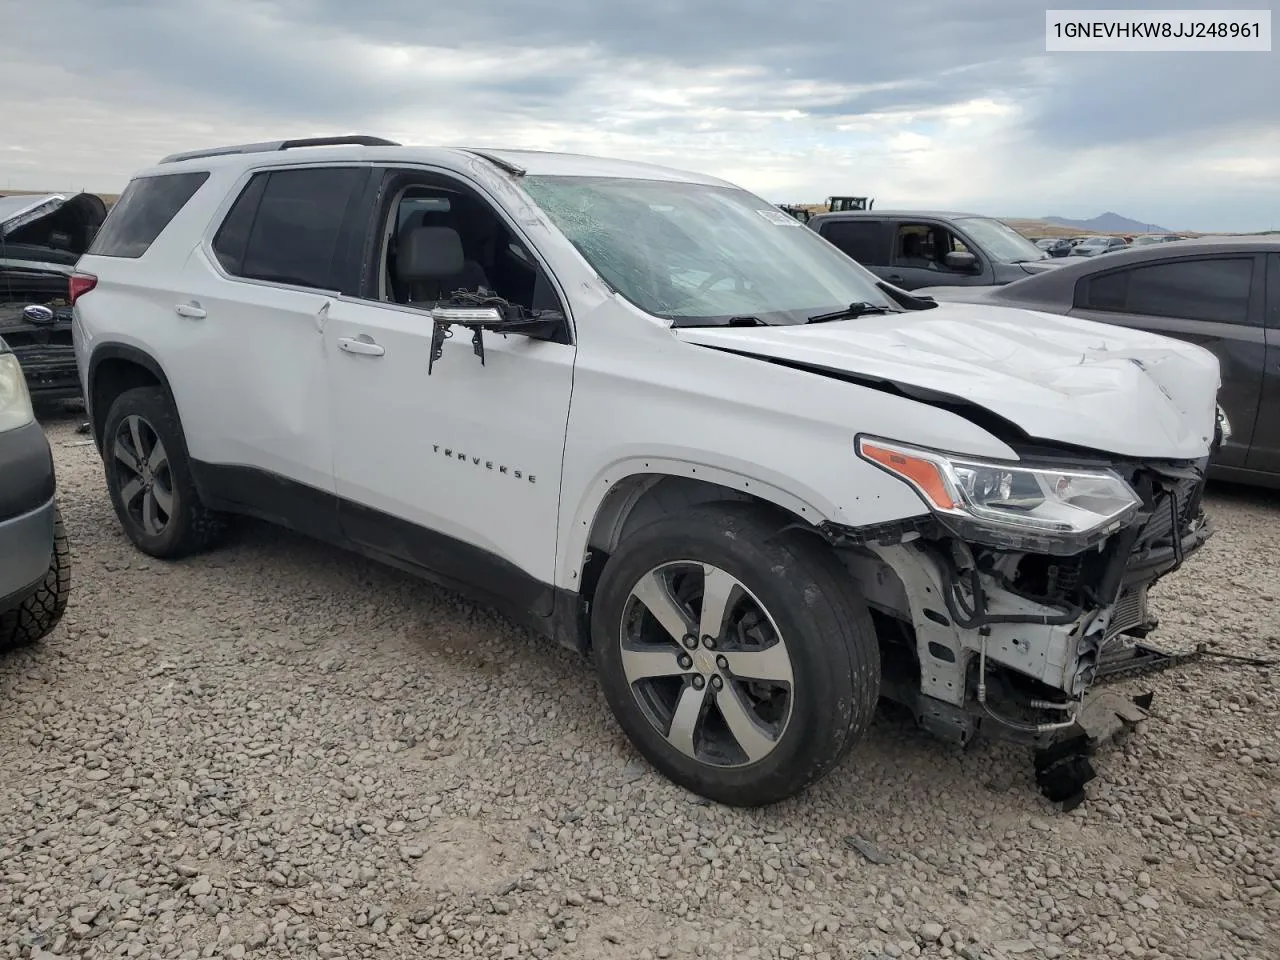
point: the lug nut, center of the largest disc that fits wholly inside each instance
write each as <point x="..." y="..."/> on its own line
<point x="722" y="662"/>
<point x="716" y="682"/>
<point x="685" y="661"/>
<point x="698" y="682"/>
<point x="691" y="642"/>
<point x="709" y="642"/>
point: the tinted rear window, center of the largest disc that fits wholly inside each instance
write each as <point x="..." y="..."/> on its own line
<point x="860" y="240"/>
<point x="286" y="224"/>
<point x="145" y="208"/>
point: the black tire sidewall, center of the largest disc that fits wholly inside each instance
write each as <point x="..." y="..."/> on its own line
<point x="829" y="657"/>
<point x="151" y="404"/>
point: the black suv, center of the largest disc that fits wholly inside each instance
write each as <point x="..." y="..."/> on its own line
<point x="35" y="561"/>
<point x="918" y="248"/>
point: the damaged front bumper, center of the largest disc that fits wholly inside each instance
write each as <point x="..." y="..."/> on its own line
<point x="44" y="349"/>
<point x="982" y="639"/>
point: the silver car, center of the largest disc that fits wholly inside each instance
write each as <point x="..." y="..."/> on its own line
<point x="35" y="561"/>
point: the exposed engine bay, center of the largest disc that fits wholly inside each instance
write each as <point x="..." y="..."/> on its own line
<point x="41" y="238"/>
<point x="1006" y="640"/>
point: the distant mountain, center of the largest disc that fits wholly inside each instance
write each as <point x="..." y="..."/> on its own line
<point x="1107" y="223"/>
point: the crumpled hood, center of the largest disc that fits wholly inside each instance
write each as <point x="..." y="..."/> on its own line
<point x="1060" y="379"/>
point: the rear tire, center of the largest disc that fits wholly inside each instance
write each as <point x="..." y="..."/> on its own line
<point x="148" y="472"/>
<point x="35" y="617"/>
<point x="788" y="683"/>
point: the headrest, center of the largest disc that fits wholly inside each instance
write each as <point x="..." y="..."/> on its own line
<point x="429" y="253"/>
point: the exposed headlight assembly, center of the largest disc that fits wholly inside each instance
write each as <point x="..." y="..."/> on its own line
<point x="1008" y="505"/>
<point x="15" y="401"/>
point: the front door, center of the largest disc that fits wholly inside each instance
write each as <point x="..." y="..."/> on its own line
<point x="452" y="466"/>
<point x="918" y="258"/>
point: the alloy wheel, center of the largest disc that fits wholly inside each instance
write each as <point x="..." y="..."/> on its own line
<point x="146" y="488"/>
<point x="707" y="664"/>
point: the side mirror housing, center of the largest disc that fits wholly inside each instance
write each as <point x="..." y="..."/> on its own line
<point x="961" y="260"/>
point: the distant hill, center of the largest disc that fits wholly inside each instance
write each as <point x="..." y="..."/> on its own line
<point x="1107" y="223"/>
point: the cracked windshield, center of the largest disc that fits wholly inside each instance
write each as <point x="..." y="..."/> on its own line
<point x="702" y="255"/>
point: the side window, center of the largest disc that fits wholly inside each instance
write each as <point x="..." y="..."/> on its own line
<point x="1106" y="291"/>
<point x="925" y="246"/>
<point x="1215" y="290"/>
<point x="440" y="239"/>
<point x="860" y="239"/>
<point x="286" y="224"/>
<point x="145" y="208"/>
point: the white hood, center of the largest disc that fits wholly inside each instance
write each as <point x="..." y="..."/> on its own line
<point x="1093" y="385"/>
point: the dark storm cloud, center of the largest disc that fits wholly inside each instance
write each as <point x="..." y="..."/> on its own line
<point x="271" y="55"/>
<point x="301" y="61"/>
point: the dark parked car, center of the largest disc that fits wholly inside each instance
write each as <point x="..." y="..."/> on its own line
<point x="1223" y="294"/>
<point x="918" y="248"/>
<point x="1092" y="246"/>
<point x="35" y="563"/>
<point x="41" y="238"/>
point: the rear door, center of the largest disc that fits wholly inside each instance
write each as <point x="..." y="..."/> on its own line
<point x="1264" y="453"/>
<point x="256" y="294"/>
<point x="1213" y="301"/>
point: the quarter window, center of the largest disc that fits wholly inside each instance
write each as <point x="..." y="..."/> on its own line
<point x="286" y="224"/>
<point x="145" y="208"/>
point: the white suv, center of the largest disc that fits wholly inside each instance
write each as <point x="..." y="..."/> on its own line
<point x="651" y="416"/>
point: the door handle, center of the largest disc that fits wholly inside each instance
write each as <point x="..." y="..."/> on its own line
<point x="361" y="345"/>
<point x="192" y="311"/>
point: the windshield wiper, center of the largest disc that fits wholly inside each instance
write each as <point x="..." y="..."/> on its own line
<point x="730" y="322"/>
<point x="859" y="308"/>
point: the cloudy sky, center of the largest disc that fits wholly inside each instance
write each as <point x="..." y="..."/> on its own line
<point x="913" y="102"/>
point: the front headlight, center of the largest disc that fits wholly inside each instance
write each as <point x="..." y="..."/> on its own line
<point x="1044" y="509"/>
<point x="15" y="401"/>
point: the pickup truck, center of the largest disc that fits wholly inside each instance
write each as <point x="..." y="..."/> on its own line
<point x="921" y="248"/>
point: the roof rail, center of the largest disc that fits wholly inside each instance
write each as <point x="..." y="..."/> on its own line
<point x="514" y="169"/>
<point x="268" y="146"/>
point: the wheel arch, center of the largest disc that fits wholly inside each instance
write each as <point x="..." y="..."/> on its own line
<point x="113" y="369"/>
<point x="636" y="493"/>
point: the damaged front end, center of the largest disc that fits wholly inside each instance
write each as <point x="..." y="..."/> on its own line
<point x="1001" y="609"/>
<point x="39" y="334"/>
<point x="41" y="238"/>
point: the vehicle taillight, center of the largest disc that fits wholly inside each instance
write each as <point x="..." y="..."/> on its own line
<point x="79" y="285"/>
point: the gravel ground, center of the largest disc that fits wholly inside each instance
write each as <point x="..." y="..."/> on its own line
<point x="280" y="749"/>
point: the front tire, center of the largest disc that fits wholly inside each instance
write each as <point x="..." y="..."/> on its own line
<point x="741" y="662"/>
<point x="148" y="473"/>
<point x="35" y="617"/>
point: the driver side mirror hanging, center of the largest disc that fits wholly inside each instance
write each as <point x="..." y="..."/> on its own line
<point x="443" y="319"/>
